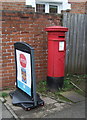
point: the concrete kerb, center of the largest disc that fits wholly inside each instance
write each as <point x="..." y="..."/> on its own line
<point x="3" y="100"/>
<point x="11" y="111"/>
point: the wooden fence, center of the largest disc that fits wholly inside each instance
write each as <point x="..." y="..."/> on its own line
<point x="76" y="43"/>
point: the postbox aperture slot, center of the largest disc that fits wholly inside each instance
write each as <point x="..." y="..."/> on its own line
<point x="61" y="36"/>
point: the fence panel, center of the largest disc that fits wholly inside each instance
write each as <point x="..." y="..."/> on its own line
<point x="75" y="42"/>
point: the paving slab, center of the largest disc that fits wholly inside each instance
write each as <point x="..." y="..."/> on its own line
<point x="75" y="111"/>
<point x="50" y="106"/>
<point x="73" y="96"/>
<point x="49" y="100"/>
<point x="83" y="86"/>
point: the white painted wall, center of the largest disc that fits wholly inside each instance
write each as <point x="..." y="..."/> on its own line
<point x="66" y="5"/>
<point x="30" y="2"/>
<point x="77" y="0"/>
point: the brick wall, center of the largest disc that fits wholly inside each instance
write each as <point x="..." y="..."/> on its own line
<point x="78" y="7"/>
<point x="17" y="6"/>
<point x="28" y="27"/>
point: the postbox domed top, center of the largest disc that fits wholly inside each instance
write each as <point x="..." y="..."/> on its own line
<point x="56" y="28"/>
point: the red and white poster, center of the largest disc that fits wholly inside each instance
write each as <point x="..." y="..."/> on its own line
<point x="24" y="71"/>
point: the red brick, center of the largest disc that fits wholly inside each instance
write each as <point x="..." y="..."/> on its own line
<point x="78" y="7"/>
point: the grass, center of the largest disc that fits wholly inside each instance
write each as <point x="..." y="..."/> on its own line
<point x="3" y="94"/>
<point x="42" y="87"/>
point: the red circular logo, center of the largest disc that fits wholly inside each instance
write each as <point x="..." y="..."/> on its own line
<point x="23" y="60"/>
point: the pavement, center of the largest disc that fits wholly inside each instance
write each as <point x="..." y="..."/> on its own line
<point x="74" y="111"/>
<point x="5" y="112"/>
<point x="51" y="109"/>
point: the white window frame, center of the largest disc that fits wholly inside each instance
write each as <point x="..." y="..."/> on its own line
<point x="54" y="5"/>
<point x="62" y="4"/>
<point x="59" y="6"/>
<point x="39" y="3"/>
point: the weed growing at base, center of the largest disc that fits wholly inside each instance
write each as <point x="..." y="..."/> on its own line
<point x="3" y="94"/>
<point x="42" y="86"/>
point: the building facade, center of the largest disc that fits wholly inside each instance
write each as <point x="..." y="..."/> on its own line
<point x="49" y="6"/>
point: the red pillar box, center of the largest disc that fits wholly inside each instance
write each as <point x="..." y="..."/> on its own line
<point x="56" y="56"/>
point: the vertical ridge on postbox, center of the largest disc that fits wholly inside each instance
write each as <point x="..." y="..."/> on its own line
<point x="56" y="56"/>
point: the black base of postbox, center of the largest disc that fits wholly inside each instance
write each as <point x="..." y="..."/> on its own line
<point x="55" y="83"/>
<point x="19" y="98"/>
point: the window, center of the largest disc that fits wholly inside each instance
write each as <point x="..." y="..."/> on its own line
<point x="53" y="9"/>
<point x="40" y="8"/>
<point x="47" y="8"/>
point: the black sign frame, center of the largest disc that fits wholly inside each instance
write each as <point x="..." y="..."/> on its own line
<point x="24" y="47"/>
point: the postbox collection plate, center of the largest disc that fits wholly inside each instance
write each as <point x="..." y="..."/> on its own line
<point x="61" y="46"/>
